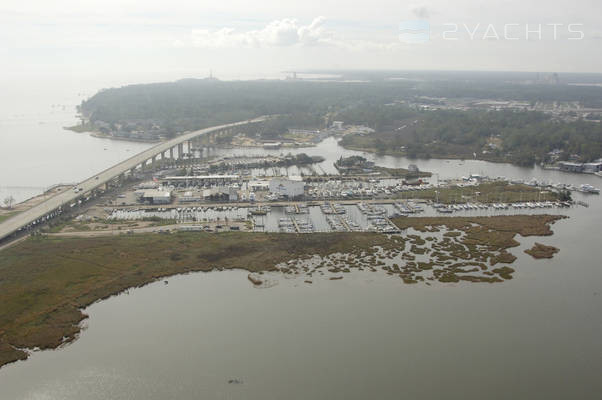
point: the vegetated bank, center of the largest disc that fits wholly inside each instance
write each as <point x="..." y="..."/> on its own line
<point x="400" y="112"/>
<point x="45" y="282"/>
<point x="518" y="137"/>
<point x="487" y="192"/>
<point x="7" y="215"/>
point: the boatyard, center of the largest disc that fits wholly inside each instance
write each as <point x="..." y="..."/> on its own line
<point x="260" y="180"/>
<point x="158" y="201"/>
<point x="287" y="217"/>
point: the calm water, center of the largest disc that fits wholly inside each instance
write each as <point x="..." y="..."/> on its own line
<point x="366" y="336"/>
<point x="443" y="169"/>
<point x="37" y="152"/>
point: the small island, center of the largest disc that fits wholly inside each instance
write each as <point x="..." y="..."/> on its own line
<point x="358" y="165"/>
<point x="542" y="251"/>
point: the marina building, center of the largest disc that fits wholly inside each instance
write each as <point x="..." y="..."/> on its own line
<point x="220" y="193"/>
<point x="570" y="166"/>
<point x="154" y="196"/>
<point x="257" y="185"/>
<point x="272" y="145"/>
<point x="287" y="187"/>
<point x="337" y="125"/>
<point x="587" y="168"/>
<point x="592" y="168"/>
<point x="199" y="180"/>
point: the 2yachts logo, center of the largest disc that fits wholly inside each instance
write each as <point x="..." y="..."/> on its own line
<point x="419" y="31"/>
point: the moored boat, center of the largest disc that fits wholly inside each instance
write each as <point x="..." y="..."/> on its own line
<point x="587" y="188"/>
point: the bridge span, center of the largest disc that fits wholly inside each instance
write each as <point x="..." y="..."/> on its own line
<point x="25" y="218"/>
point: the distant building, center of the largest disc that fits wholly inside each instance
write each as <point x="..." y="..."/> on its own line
<point x="592" y="168"/>
<point x="221" y="193"/>
<point x="148" y="185"/>
<point x="574" y="157"/>
<point x="587" y="168"/>
<point x="272" y="145"/>
<point x="156" y="196"/>
<point x="189" y="197"/>
<point x="198" y="179"/>
<point x="361" y="130"/>
<point x="555" y="154"/>
<point x="295" y="131"/>
<point x="258" y="185"/>
<point x="338" y="125"/>
<point x="208" y="194"/>
<point x="290" y="188"/>
<point x="232" y="194"/>
<point x="570" y="166"/>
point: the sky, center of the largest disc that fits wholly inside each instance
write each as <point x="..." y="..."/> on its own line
<point x="139" y="41"/>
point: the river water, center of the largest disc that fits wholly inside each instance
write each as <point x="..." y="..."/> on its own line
<point x="366" y="336"/>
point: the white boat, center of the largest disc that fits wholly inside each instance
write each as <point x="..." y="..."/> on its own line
<point x="587" y="188"/>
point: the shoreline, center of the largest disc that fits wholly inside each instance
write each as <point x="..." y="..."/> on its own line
<point x="446" y="157"/>
<point x="34" y="200"/>
<point x="100" y="135"/>
<point x="95" y="133"/>
<point x="373" y="151"/>
<point x="93" y="269"/>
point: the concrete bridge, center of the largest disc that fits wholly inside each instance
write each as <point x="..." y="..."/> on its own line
<point x="67" y="197"/>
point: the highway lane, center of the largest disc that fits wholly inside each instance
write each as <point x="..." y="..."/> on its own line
<point x="69" y="196"/>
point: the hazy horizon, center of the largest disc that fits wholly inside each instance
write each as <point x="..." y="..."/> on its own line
<point x="125" y="42"/>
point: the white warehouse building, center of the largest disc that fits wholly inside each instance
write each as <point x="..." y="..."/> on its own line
<point x="291" y="187"/>
<point x="154" y="196"/>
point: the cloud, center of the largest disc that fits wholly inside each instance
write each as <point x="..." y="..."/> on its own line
<point x="284" y="32"/>
<point x="287" y="32"/>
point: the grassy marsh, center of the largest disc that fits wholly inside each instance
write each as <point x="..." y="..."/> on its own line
<point x="45" y="281"/>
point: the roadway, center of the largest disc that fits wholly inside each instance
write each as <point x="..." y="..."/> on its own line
<point x="69" y="196"/>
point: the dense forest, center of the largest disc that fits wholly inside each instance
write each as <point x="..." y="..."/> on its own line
<point x="193" y="104"/>
<point x="519" y="137"/>
<point x="202" y="102"/>
<point x="522" y="137"/>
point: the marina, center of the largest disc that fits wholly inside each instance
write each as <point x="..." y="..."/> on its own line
<point x="303" y="217"/>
